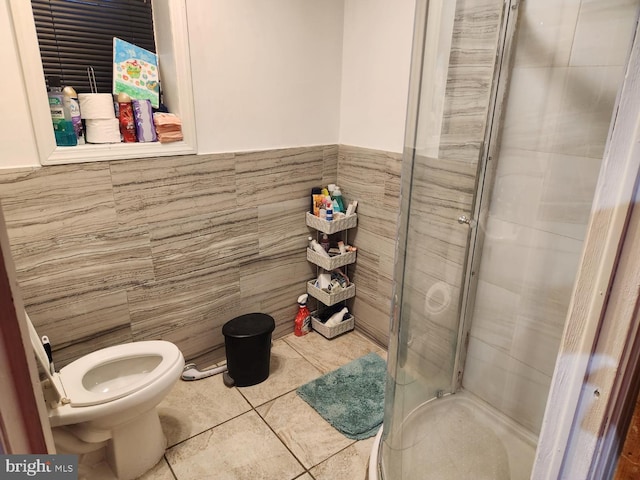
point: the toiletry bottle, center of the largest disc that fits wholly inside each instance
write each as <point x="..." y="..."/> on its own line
<point x="125" y="118"/>
<point x="329" y="214"/>
<point x="324" y="242"/>
<point x="71" y="103"/>
<point x="351" y="209"/>
<point x="315" y="246"/>
<point x="302" y="322"/>
<point x="60" y="116"/>
<point x="337" y="198"/>
<point x="315" y="194"/>
<point x="337" y="317"/>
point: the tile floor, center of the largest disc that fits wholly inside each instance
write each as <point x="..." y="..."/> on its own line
<point x="264" y="431"/>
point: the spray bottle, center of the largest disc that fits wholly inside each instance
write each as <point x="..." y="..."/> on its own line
<point x="302" y="324"/>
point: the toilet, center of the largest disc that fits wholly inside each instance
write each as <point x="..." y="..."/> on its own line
<point x="103" y="405"/>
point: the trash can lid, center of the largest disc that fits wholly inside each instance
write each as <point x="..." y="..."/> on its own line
<point x="249" y="325"/>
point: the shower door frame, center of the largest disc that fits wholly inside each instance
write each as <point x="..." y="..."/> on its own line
<point x="485" y="178"/>
<point x="588" y="398"/>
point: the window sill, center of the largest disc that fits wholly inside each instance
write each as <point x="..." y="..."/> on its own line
<point x="172" y="44"/>
<point x="116" y="151"/>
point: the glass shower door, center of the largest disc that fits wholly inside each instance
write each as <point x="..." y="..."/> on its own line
<point x="547" y="143"/>
<point x="453" y="71"/>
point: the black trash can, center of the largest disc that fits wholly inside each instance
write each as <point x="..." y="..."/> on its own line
<point x="247" y="341"/>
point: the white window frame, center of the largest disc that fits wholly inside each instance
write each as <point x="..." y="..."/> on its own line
<point x="172" y="42"/>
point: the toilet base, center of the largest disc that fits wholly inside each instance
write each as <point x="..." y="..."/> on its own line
<point x="136" y="446"/>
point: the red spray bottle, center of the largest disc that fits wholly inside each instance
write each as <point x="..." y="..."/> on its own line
<point x="302" y="324"/>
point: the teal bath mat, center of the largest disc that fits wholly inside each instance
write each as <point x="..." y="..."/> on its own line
<point x="350" y="398"/>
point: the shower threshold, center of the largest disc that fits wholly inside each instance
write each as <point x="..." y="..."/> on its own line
<point x="458" y="436"/>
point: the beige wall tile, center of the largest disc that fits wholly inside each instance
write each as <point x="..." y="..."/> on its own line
<point x="66" y="268"/>
<point x="603" y="32"/>
<point x="84" y="325"/>
<point x="187" y="312"/>
<point x="329" y="164"/>
<point x="50" y="202"/>
<point x="164" y="247"/>
<point x="197" y="245"/>
<point x="475" y="32"/>
<point x="170" y="188"/>
<point x="274" y="176"/>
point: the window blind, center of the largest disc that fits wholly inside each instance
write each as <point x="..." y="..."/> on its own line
<point x="76" y="34"/>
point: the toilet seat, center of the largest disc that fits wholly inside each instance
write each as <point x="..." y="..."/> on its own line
<point x="151" y="360"/>
<point x="78" y="383"/>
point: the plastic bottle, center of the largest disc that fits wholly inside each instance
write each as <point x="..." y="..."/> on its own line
<point x="329" y="214"/>
<point x="318" y="248"/>
<point x="337" y="317"/>
<point x="324" y="242"/>
<point x="125" y="118"/>
<point x="60" y="116"/>
<point x="337" y="197"/>
<point x="71" y="103"/>
<point x="315" y="195"/>
<point x="302" y="323"/>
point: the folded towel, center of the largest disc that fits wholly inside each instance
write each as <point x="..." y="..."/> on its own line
<point x="168" y="127"/>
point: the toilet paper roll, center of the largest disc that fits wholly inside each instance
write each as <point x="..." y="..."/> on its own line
<point x="103" y="130"/>
<point x="96" y="106"/>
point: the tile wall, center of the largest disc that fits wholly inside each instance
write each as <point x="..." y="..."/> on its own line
<point x="568" y="67"/>
<point x="169" y="247"/>
<point x="373" y="178"/>
<point x="173" y="248"/>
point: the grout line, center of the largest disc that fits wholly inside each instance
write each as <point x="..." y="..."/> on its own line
<point x="285" y="445"/>
<point x="170" y="467"/>
<point x="254" y="409"/>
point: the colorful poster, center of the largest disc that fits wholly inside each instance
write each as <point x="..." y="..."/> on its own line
<point x="135" y="72"/>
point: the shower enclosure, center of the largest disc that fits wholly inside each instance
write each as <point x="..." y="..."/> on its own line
<point x="509" y="112"/>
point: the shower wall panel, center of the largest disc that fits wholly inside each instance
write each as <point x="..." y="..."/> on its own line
<point x="567" y="68"/>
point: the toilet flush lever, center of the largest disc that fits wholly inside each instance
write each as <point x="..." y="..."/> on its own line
<point x="469" y="221"/>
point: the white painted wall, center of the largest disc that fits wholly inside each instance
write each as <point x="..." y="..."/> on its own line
<point x="266" y="74"/>
<point x="375" y="73"/>
<point x="269" y="74"/>
<point x="17" y="142"/>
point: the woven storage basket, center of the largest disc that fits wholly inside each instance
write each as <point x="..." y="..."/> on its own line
<point x="346" y="325"/>
<point x="333" y="262"/>
<point x="334" y="226"/>
<point x="330" y="298"/>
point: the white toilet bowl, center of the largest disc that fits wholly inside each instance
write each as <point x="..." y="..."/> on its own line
<point x="107" y="399"/>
